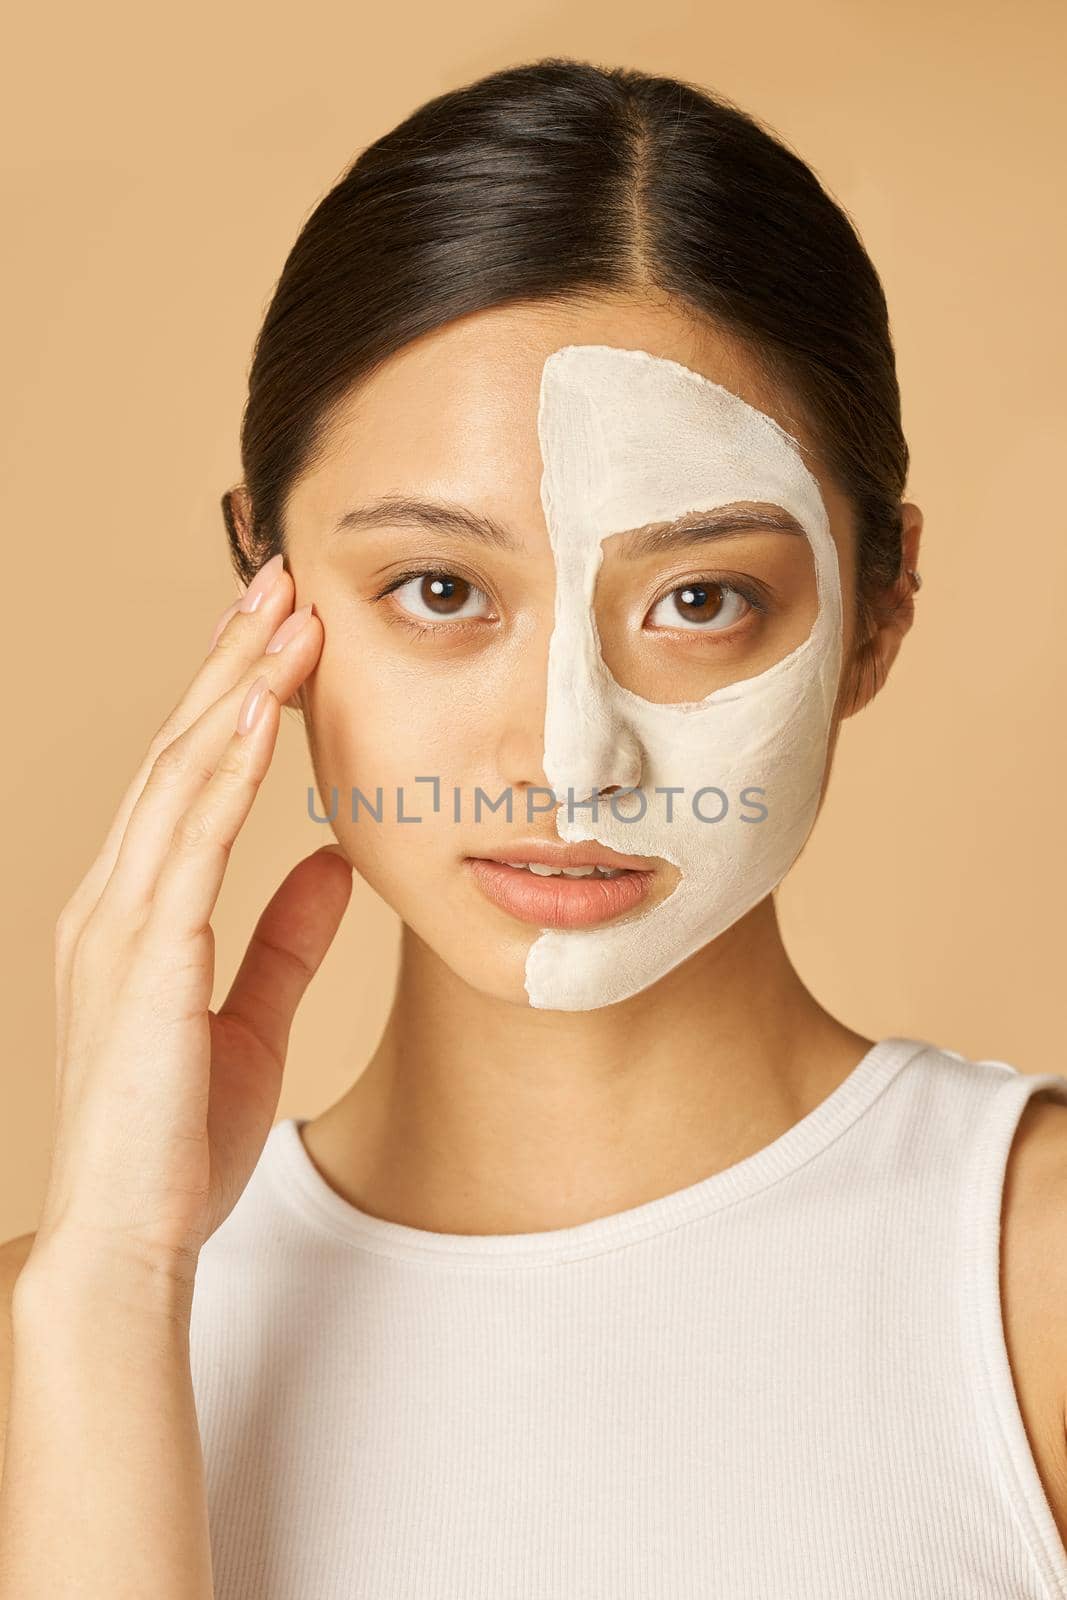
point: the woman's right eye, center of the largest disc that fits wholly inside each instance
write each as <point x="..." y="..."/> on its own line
<point x="434" y="596"/>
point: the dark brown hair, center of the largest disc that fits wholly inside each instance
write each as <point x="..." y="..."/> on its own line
<point x="556" y="179"/>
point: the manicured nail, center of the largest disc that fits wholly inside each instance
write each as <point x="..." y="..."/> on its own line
<point x="288" y="630"/>
<point x="221" y="623"/>
<point x="251" y="704"/>
<point x="335" y="850"/>
<point x="264" y="580"/>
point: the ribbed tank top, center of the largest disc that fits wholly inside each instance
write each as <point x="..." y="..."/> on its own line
<point x="787" y="1381"/>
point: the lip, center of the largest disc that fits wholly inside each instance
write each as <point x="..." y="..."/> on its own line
<point x="557" y="853"/>
<point x="559" y="902"/>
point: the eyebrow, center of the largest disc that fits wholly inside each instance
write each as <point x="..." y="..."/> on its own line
<point x="440" y="517"/>
<point x="698" y="527"/>
<point x="693" y="528"/>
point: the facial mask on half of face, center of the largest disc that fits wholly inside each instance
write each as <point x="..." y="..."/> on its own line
<point x="630" y="439"/>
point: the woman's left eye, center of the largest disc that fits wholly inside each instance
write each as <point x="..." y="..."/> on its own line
<point x="705" y="606"/>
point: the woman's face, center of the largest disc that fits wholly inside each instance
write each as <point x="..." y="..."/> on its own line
<point x="532" y="594"/>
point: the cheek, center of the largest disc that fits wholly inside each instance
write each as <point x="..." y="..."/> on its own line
<point x="372" y="725"/>
<point x="369" y="737"/>
<point x="356" y="721"/>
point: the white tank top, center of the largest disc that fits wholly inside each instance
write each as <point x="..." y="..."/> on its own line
<point x="788" y="1380"/>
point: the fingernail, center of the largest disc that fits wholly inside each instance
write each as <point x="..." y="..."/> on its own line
<point x="264" y="580"/>
<point x="335" y="850"/>
<point x="288" y="630"/>
<point x="221" y="623"/>
<point x="251" y="704"/>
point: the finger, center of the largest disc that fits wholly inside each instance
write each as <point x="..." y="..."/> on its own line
<point x="221" y="623"/>
<point x="260" y="611"/>
<point x="240" y="644"/>
<point x="182" y="775"/>
<point x="190" y="878"/>
<point x="286" y="950"/>
<point x="241" y="641"/>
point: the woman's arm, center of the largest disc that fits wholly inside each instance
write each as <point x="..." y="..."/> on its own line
<point x="103" y="1482"/>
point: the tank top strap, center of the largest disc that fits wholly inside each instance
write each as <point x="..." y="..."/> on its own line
<point x="1008" y="1093"/>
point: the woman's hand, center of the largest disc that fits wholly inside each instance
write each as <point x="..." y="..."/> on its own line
<point x="163" y="1106"/>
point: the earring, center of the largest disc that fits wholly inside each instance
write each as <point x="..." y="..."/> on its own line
<point x="916" y="580"/>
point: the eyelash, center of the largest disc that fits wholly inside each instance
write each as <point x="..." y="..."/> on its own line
<point x="756" y="596"/>
<point x="423" y="630"/>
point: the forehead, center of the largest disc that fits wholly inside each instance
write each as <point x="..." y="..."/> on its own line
<point x="630" y="440"/>
<point x="454" y="414"/>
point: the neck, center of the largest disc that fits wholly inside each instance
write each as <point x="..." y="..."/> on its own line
<point x="475" y="1115"/>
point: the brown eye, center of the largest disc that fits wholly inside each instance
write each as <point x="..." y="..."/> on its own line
<point x="704" y="607"/>
<point x="436" y="594"/>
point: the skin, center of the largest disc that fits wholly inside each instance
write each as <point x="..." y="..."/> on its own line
<point x="554" y="1117"/>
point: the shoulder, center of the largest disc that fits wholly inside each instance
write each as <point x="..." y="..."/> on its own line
<point x="1034" y="1287"/>
<point x="13" y="1253"/>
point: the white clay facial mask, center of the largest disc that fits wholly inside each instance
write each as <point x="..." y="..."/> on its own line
<point x="629" y="439"/>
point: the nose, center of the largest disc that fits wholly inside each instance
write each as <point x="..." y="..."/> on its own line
<point x="587" y="753"/>
<point x="564" y="731"/>
<point x="590" y="746"/>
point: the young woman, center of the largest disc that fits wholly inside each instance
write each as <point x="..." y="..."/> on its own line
<point x="572" y="480"/>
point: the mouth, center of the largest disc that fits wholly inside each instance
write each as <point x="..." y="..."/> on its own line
<point x="563" y="886"/>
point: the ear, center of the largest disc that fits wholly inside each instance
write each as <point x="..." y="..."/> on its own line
<point x="894" y="613"/>
<point x="241" y="516"/>
<point x="241" y="512"/>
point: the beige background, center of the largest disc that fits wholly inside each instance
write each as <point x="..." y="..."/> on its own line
<point x="157" y="166"/>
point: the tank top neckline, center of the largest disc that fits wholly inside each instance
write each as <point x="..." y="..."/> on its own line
<point x="299" y="1184"/>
